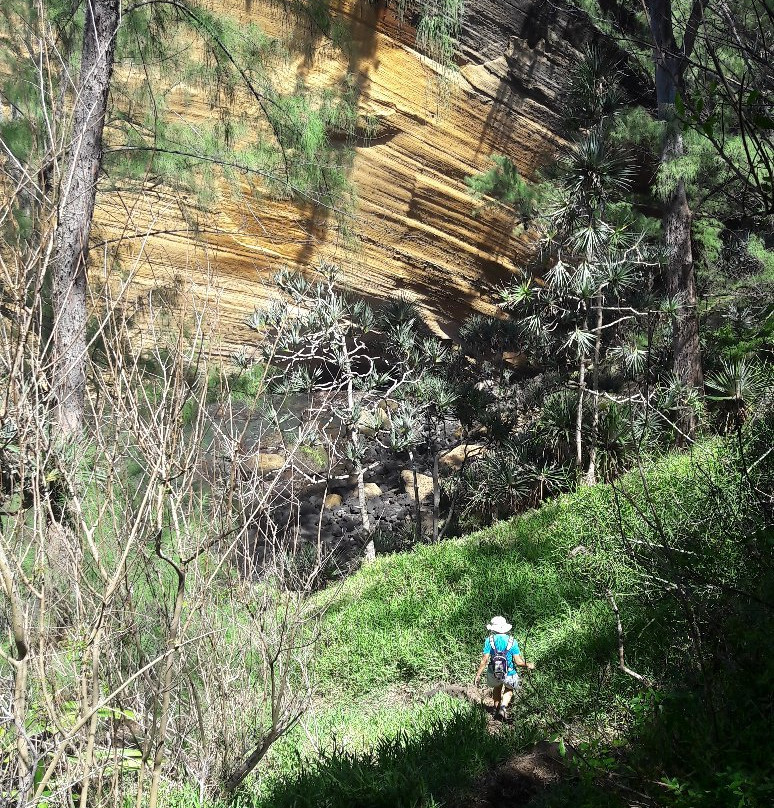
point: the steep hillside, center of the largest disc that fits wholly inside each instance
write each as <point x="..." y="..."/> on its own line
<point x="412" y="621"/>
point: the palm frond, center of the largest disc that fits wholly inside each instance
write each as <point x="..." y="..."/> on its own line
<point x="594" y="170"/>
<point x="582" y="341"/>
<point x="620" y="276"/>
<point x="741" y="382"/>
<point x="632" y="356"/>
<point x="558" y="276"/>
<point x="518" y="294"/>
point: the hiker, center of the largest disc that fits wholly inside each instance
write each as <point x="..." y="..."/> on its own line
<point x="501" y="658"/>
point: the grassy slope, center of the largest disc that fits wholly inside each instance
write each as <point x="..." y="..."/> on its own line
<point x="414" y="619"/>
<point x="420" y="617"/>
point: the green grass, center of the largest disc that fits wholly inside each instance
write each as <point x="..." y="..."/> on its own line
<point x="243" y="385"/>
<point x="414" y="766"/>
<point x="420" y="617"/>
<point x="415" y="619"/>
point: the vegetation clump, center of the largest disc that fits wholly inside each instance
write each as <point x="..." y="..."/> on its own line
<point x="632" y="599"/>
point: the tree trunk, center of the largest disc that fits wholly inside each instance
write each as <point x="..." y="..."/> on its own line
<point x="236" y="778"/>
<point x="579" y="416"/>
<point x="579" y="411"/>
<point x="90" y="685"/>
<point x="15" y="620"/>
<point x="681" y="286"/>
<point x="681" y="279"/>
<point x="166" y="687"/>
<point x="436" y="496"/>
<point x="591" y="472"/>
<point x="78" y="190"/>
<point x="370" y="550"/>
<point x="417" y="502"/>
<point x="432" y="432"/>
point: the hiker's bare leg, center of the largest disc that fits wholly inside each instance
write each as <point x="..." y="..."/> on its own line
<point x="497" y="694"/>
<point x="507" y="696"/>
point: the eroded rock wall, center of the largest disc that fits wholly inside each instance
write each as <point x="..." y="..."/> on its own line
<point x="415" y="227"/>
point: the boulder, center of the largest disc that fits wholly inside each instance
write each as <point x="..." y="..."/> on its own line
<point x="453" y="459"/>
<point x="371" y="421"/>
<point x="513" y="358"/>
<point x="332" y="501"/>
<point x="372" y="491"/>
<point x="366" y="424"/>
<point x="424" y="484"/>
<point x="267" y="462"/>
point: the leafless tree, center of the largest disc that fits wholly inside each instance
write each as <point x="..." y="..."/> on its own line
<point x="164" y="643"/>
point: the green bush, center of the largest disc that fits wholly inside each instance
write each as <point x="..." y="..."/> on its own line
<point x="245" y="384"/>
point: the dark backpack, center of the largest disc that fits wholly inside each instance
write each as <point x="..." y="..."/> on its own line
<point x="498" y="660"/>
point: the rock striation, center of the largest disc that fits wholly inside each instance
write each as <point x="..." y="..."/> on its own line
<point x="414" y="223"/>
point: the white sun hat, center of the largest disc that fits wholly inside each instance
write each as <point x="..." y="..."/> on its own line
<point x="499" y="625"/>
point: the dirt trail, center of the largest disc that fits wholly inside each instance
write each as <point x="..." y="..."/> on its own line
<point x="515" y="781"/>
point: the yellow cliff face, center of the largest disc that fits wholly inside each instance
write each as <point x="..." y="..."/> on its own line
<point x="414" y="223"/>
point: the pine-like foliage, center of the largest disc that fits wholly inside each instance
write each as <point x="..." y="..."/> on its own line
<point x="200" y="105"/>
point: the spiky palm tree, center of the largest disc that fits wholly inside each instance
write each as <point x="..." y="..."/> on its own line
<point x="557" y="423"/>
<point x="594" y="93"/>
<point x="736" y="387"/>
<point x="621" y="431"/>
<point x="500" y="483"/>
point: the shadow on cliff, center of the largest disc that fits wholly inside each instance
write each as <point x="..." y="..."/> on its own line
<point x="532" y="38"/>
<point x="352" y="29"/>
<point x="524" y="73"/>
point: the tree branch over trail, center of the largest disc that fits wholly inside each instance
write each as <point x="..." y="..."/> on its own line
<point x="261" y="98"/>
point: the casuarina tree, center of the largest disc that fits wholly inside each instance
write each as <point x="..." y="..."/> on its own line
<point x="75" y="210"/>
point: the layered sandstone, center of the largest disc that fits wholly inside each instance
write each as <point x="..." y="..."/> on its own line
<point x="416" y="232"/>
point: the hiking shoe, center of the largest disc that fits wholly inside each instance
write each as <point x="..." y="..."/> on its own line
<point x="501" y="714"/>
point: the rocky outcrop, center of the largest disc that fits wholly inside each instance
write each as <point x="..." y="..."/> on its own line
<point x="414" y="223"/>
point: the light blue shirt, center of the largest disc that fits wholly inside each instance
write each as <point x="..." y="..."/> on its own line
<point x="501" y="643"/>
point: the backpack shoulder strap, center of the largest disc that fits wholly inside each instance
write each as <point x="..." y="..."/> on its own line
<point x="510" y="643"/>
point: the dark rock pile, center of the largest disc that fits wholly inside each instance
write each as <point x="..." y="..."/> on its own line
<point x="312" y="512"/>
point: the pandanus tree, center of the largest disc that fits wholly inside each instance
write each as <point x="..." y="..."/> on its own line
<point x="351" y="360"/>
<point x="707" y="65"/>
<point x="420" y="423"/>
<point x="736" y="388"/>
<point x="590" y="264"/>
<point x="578" y="300"/>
